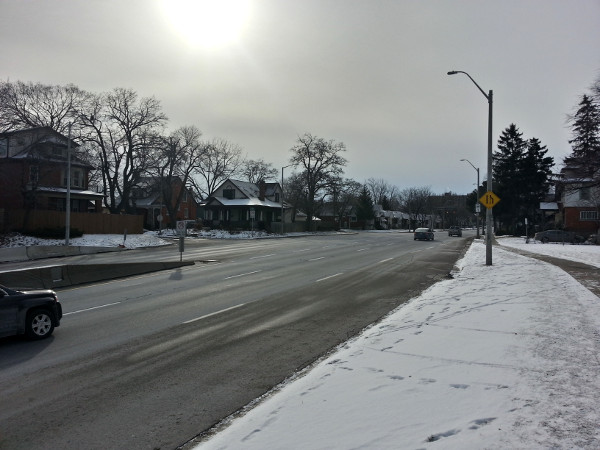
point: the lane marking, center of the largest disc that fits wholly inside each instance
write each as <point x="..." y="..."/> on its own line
<point x="330" y="276"/>
<point x="241" y="275"/>
<point x="265" y="256"/>
<point x="90" y="309"/>
<point x="385" y="260"/>
<point x="316" y="259"/>
<point x="212" y="314"/>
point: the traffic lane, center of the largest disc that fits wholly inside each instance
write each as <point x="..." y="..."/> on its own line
<point x="111" y="313"/>
<point x="159" y="390"/>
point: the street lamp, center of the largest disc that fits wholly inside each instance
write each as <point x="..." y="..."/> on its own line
<point x="488" y="216"/>
<point x="282" y="213"/>
<point x="68" y="196"/>
<point x="477" y="199"/>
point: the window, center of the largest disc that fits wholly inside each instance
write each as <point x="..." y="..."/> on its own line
<point x="584" y="193"/>
<point x="229" y="193"/>
<point x="588" y="215"/>
<point x="276" y="197"/>
<point x="186" y="213"/>
<point x="76" y="178"/>
<point x="34" y="174"/>
<point x="185" y="195"/>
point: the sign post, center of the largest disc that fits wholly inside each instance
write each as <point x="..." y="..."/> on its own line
<point x="181" y="233"/>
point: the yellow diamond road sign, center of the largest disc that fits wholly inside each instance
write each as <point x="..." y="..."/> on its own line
<point x="489" y="199"/>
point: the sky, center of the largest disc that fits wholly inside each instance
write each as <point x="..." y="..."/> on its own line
<point x="370" y="74"/>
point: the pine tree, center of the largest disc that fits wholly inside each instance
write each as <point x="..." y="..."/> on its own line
<point x="507" y="178"/>
<point x="535" y="179"/>
<point x="521" y="178"/>
<point x="585" y="126"/>
<point x="364" y="206"/>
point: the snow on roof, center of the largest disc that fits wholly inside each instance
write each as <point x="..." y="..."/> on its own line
<point x="246" y="202"/>
<point x="73" y="191"/>
<point x="549" y="206"/>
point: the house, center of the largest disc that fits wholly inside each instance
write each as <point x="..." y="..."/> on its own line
<point x="242" y="205"/>
<point x="149" y="200"/>
<point x="33" y="177"/>
<point x="579" y="201"/>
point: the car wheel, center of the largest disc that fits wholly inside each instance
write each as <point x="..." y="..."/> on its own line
<point x="39" y="324"/>
<point x="545" y="240"/>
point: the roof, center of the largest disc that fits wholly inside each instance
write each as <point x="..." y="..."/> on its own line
<point x="61" y="190"/>
<point x="549" y="206"/>
<point x="243" y="202"/>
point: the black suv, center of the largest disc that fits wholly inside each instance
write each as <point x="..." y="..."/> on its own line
<point x="454" y="231"/>
<point x="33" y="313"/>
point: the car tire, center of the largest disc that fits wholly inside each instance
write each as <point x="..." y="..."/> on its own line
<point x="40" y="324"/>
<point x="545" y="240"/>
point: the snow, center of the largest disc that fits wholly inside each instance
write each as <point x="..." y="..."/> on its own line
<point x="502" y="356"/>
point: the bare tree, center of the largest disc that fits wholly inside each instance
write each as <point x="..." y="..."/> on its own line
<point x="30" y="105"/>
<point x="343" y="194"/>
<point x="221" y="160"/>
<point x="123" y="130"/>
<point x="382" y="193"/>
<point x="321" y="164"/>
<point x="255" y="171"/>
<point x="416" y="201"/>
<point x="178" y="156"/>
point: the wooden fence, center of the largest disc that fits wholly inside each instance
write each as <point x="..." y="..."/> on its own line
<point x="89" y="223"/>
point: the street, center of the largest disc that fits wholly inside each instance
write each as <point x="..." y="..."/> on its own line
<point x="152" y="361"/>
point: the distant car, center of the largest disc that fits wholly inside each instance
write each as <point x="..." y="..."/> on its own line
<point x="558" y="236"/>
<point x="454" y="231"/>
<point x="34" y="313"/>
<point x="423" y="234"/>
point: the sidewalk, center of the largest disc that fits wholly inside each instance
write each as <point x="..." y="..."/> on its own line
<point x="502" y="356"/>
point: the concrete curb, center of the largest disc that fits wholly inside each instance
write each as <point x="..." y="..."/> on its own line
<point x="51" y="277"/>
<point x="12" y="254"/>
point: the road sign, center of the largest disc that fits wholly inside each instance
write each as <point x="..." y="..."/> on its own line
<point x="181" y="227"/>
<point x="489" y="199"/>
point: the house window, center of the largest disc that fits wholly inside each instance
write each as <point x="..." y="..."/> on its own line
<point x="186" y="213"/>
<point x="76" y="178"/>
<point x="185" y="195"/>
<point x="34" y="174"/>
<point x="588" y="215"/>
<point x="57" y="151"/>
<point x="229" y="193"/>
<point x="584" y="193"/>
<point x="276" y="197"/>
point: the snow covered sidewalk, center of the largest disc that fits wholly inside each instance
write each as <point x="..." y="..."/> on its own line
<point x="502" y="356"/>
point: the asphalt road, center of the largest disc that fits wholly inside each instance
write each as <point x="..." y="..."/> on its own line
<point x="150" y="362"/>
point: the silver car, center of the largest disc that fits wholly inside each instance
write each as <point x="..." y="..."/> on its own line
<point x="558" y="236"/>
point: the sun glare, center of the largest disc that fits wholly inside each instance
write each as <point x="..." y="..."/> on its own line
<point x="207" y="23"/>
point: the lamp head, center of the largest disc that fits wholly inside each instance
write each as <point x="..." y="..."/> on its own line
<point x="452" y="72"/>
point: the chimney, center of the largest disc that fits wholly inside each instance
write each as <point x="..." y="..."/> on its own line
<point x="262" y="190"/>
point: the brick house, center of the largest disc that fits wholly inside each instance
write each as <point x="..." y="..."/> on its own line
<point x="148" y="199"/>
<point x="579" y="202"/>
<point x="33" y="173"/>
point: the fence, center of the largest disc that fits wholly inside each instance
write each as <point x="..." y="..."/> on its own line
<point x="89" y="223"/>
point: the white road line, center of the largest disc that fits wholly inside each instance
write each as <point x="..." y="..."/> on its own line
<point x="212" y="314"/>
<point x="361" y="249"/>
<point x="264" y="256"/>
<point x="242" y="275"/>
<point x="90" y="309"/>
<point x="330" y="276"/>
<point x="316" y="259"/>
<point x="385" y="260"/>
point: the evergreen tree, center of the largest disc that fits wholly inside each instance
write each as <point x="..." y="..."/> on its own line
<point x="507" y="178"/>
<point x="521" y="178"/>
<point x="364" y="206"/>
<point x="585" y="126"/>
<point x="535" y="180"/>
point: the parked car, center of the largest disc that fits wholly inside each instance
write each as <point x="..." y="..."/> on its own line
<point x="423" y="234"/>
<point x="558" y="236"/>
<point x="454" y="231"/>
<point x="34" y="313"/>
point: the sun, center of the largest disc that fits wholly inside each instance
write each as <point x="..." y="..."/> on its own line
<point x="207" y="23"/>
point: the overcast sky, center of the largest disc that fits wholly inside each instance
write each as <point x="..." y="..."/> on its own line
<point x="368" y="73"/>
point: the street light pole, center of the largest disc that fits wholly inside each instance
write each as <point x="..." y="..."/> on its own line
<point x="282" y="212"/>
<point x="477" y="199"/>
<point x="68" y="197"/>
<point x="489" y="220"/>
